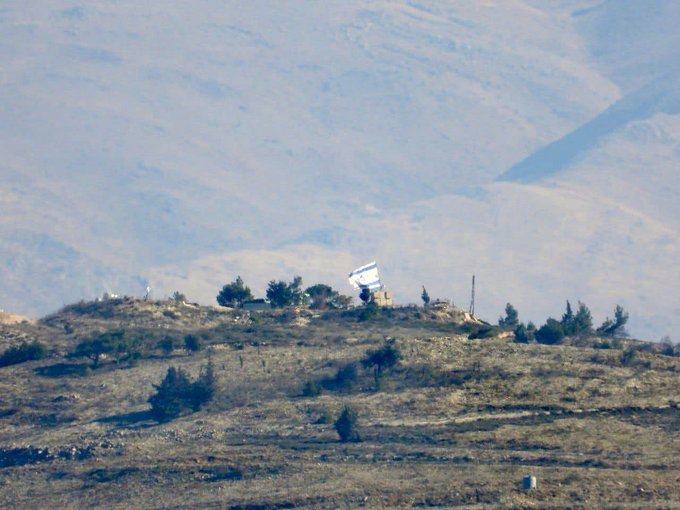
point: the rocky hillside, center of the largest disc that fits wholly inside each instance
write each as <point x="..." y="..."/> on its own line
<point x="456" y="422"/>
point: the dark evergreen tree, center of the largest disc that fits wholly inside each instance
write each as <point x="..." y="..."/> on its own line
<point x="346" y="425"/>
<point x="203" y="389"/>
<point x="583" y="321"/>
<point x="178" y="297"/>
<point x="23" y="352"/>
<point x="425" y="296"/>
<point x="344" y="378"/>
<point x="550" y="333"/>
<point x="524" y="335"/>
<point x="282" y="294"/>
<point x="234" y="294"/>
<point x="113" y="343"/>
<point x="568" y="325"/>
<point x="365" y="295"/>
<point x="172" y="397"/>
<point x="323" y="296"/>
<point x="192" y="343"/>
<point x="382" y="359"/>
<point x="511" y="319"/>
<point x="615" y="327"/>
<point x="177" y="394"/>
<point x="167" y="345"/>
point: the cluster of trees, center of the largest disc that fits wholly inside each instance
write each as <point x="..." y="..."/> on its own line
<point x="579" y="324"/>
<point x="381" y="361"/>
<point x="121" y="346"/>
<point x="177" y="394"/>
<point x="117" y="344"/>
<point x="282" y="294"/>
<point x="23" y="352"/>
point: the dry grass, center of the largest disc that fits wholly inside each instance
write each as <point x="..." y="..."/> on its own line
<point x="458" y="423"/>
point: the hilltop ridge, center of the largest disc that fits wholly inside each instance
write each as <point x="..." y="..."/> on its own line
<point x="457" y="422"/>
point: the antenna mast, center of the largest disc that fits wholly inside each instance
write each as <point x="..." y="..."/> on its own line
<point x="472" y="300"/>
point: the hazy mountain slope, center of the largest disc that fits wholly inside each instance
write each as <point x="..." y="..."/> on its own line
<point x="661" y="95"/>
<point x="182" y="144"/>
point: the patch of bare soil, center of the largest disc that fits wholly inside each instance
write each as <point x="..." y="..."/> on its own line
<point x="11" y="318"/>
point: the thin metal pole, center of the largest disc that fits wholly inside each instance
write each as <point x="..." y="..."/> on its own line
<point x="472" y="300"/>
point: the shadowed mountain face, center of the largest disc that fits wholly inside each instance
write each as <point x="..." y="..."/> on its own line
<point x="535" y="144"/>
<point x="661" y="96"/>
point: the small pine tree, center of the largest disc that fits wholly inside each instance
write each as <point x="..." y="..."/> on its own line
<point x="203" y="389"/>
<point x="173" y="395"/>
<point x="346" y="425"/>
<point x="382" y="359"/>
<point x="523" y="335"/>
<point x="568" y="324"/>
<point x="583" y="321"/>
<point x="282" y="294"/>
<point x="425" y="297"/>
<point x="177" y="394"/>
<point x="615" y="327"/>
<point x="511" y="319"/>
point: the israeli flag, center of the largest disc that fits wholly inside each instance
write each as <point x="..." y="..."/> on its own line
<point x="365" y="277"/>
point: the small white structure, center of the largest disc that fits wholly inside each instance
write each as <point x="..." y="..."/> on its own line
<point x="256" y="305"/>
<point x="529" y="482"/>
<point x="382" y="298"/>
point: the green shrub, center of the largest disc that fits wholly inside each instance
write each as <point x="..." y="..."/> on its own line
<point x="346" y="425"/>
<point x="325" y="416"/>
<point x="368" y="312"/>
<point x="312" y="389"/>
<point x="167" y="345"/>
<point x="192" y="343"/>
<point x="23" y="352"/>
<point x="322" y="297"/>
<point x="343" y="380"/>
<point x="550" y="333"/>
<point x="177" y="394"/>
<point x="523" y="335"/>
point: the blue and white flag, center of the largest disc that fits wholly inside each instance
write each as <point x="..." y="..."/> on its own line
<point x="365" y="277"/>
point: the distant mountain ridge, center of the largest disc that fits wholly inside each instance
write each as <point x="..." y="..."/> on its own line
<point x="534" y="144"/>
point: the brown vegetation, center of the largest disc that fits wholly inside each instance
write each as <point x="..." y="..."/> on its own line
<point x="457" y="422"/>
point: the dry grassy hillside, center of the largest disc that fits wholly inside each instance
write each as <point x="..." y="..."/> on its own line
<point x="457" y="422"/>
